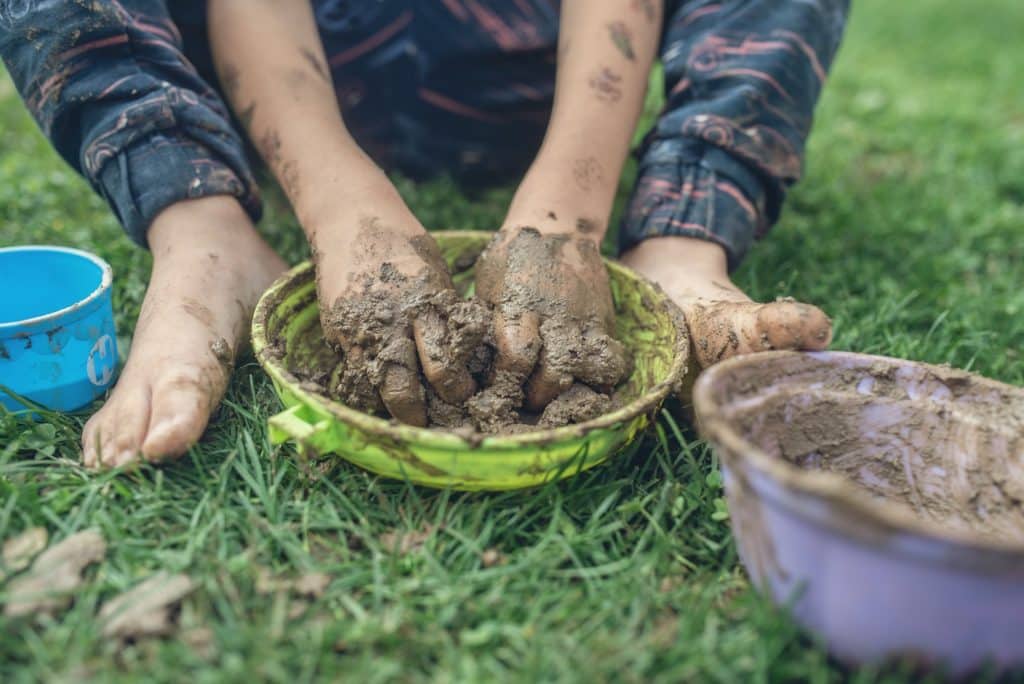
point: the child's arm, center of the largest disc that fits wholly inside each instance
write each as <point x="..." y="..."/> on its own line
<point x="110" y="86"/>
<point x="271" y="63"/>
<point x="605" y="53"/>
<point x="555" y="292"/>
<point x="272" y="67"/>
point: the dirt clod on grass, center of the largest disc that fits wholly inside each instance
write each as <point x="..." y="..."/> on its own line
<point x="19" y="551"/>
<point x="146" y="610"/>
<point x="311" y="585"/>
<point x="492" y="557"/>
<point x="409" y="541"/>
<point x="47" y="587"/>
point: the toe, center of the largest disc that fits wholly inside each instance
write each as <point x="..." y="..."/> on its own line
<point x="90" y="441"/>
<point x="792" y="325"/>
<point x="182" y="403"/>
<point x="119" y="427"/>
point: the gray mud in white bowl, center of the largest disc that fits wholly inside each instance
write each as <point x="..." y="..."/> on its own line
<point x="884" y="499"/>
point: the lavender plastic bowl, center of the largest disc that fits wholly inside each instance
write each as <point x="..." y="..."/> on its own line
<point x="882" y="500"/>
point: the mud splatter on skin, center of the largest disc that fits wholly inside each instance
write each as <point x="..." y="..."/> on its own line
<point x="290" y="180"/>
<point x="587" y="173"/>
<point x="198" y="311"/>
<point x="647" y="7"/>
<point x="222" y="351"/>
<point x="607" y="85"/>
<point x="269" y="146"/>
<point x="623" y="40"/>
<point x="245" y="116"/>
<point x="319" y="68"/>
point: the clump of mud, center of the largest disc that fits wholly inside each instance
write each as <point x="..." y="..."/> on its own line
<point x="412" y="348"/>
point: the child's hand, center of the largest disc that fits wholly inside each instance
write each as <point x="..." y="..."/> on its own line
<point x="553" y="312"/>
<point x="386" y="301"/>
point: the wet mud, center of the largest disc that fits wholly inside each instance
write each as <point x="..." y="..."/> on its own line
<point x="941" y="445"/>
<point x="407" y="345"/>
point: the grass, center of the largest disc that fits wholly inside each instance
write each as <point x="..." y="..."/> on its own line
<point x="907" y="230"/>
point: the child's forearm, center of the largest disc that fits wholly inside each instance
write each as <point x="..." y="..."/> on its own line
<point x="272" y="66"/>
<point x="605" y="52"/>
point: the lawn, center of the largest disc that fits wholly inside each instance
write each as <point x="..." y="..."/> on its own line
<point x="907" y="230"/>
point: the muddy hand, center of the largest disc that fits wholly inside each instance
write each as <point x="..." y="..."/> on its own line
<point x="393" y="311"/>
<point x="553" y="312"/>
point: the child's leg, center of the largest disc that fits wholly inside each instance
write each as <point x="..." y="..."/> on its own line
<point x="133" y="116"/>
<point x="209" y="268"/>
<point x="741" y="81"/>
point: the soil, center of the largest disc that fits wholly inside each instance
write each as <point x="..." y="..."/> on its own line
<point x="462" y="336"/>
<point x="146" y="610"/>
<point x="393" y="320"/>
<point x="942" y="444"/>
<point x="49" y="585"/>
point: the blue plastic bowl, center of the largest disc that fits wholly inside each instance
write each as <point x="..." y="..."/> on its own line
<point x="58" y="347"/>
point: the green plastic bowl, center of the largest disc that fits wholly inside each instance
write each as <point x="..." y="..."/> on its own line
<point x="286" y="335"/>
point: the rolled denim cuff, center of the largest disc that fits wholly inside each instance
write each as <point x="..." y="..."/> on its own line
<point x="161" y="169"/>
<point x="688" y="189"/>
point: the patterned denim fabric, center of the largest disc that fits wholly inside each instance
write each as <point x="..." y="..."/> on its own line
<point x="123" y="89"/>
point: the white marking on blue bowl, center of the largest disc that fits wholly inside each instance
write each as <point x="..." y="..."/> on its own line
<point x="103" y="349"/>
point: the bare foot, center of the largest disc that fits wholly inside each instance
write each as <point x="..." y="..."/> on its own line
<point x="723" y="321"/>
<point x="209" y="269"/>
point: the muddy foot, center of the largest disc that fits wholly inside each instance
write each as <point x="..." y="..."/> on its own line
<point x="723" y="321"/>
<point x="210" y="267"/>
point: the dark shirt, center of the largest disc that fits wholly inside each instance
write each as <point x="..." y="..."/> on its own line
<point x="125" y="91"/>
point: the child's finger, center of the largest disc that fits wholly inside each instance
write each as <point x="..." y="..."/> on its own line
<point x="447" y="375"/>
<point x="403" y="395"/>
<point x="545" y="385"/>
<point x="517" y="339"/>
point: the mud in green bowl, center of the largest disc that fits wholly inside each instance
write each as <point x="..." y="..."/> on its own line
<point x="287" y="336"/>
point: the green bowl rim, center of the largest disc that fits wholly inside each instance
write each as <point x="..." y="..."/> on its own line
<point x="436" y="437"/>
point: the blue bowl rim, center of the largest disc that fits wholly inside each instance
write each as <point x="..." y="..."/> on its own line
<point x="83" y="305"/>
